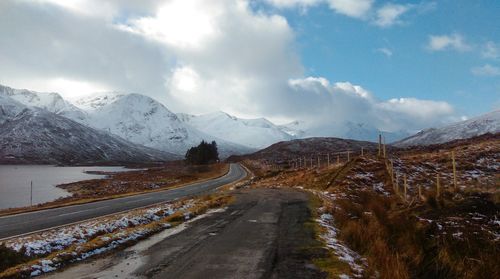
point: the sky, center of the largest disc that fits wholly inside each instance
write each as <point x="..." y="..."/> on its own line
<point x="393" y="65"/>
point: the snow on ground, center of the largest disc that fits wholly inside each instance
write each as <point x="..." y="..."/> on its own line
<point x="341" y="250"/>
<point x="380" y="188"/>
<point x="344" y="253"/>
<point x="58" y="239"/>
<point x="77" y="242"/>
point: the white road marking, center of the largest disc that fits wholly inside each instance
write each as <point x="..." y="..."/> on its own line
<point x="134" y="201"/>
<point x="93" y="218"/>
<point x="80" y="211"/>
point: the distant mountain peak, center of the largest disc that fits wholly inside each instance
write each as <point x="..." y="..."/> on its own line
<point x="52" y="102"/>
<point x="487" y="123"/>
<point x="97" y="100"/>
<point x="253" y="133"/>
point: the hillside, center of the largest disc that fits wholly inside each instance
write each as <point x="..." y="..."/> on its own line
<point x="487" y="123"/>
<point x="308" y="147"/>
<point x="35" y="135"/>
<point x="253" y="133"/>
<point x="143" y="120"/>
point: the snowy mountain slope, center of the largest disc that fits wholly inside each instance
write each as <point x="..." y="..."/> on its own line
<point x="361" y="131"/>
<point x="52" y="102"/>
<point x="295" y="129"/>
<point x="9" y="108"/>
<point x="35" y="135"/>
<point x="143" y="120"/>
<point x="97" y="100"/>
<point x="254" y="133"/>
<point x="346" y="130"/>
<point x="487" y="123"/>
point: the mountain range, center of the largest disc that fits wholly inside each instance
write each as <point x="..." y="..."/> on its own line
<point x="255" y="133"/>
<point x="132" y="127"/>
<point x="487" y="123"/>
<point x="143" y="120"/>
<point x="36" y="135"/>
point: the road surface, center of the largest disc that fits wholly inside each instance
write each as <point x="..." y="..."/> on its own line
<point x="23" y="223"/>
<point x="265" y="233"/>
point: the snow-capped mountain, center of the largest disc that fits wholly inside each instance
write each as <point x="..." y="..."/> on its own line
<point x="143" y="120"/>
<point x="9" y="108"/>
<point x="362" y="131"/>
<point x="487" y="123"/>
<point x="97" y="100"/>
<point x="254" y="133"/>
<point x="36" y="135"/>
<point x="52" y="102"/>
<point x="295" y="129"/>
<point x="260" y="133"/>
<point x="345" y="130"/>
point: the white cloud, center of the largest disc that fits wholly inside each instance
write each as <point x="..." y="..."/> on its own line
<point x="486" y="70"/>
<point x="384" y="16"/>
<point x="390" y="14"/>
<point x="385" y="51"/>
<point x="351" y="8"/>
<point x="416" y="108"/>
<point x="178" y="23"/>
<point x="334" y="104"/>
<point x="49" y="42"/>
<point x="454" y="41"/>
<point x="229" y="58"/>
<point x="491" y="50"/>
<point x="293" y="3"/>
<point x="185" y="79"/>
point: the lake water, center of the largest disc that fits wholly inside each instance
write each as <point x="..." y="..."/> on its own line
<point x="15" y="182"/>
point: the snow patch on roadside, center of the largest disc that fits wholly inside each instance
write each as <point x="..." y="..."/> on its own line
<point x="80" y="241"/>
<point x="60" y="238"/>
<point x="344" y="253"/>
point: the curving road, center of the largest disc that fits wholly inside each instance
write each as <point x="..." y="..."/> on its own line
<point x="39" y="220"/>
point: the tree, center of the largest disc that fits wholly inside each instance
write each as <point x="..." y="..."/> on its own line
<point x="204" y="153"/>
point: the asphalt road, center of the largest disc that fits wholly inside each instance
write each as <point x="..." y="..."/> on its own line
<point x="33" y="221"/>
<point x="265" y="233"/>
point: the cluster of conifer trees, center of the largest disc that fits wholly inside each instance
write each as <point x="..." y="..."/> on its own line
<point x="204" y="153"/>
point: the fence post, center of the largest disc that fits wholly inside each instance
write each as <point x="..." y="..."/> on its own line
<point x="385" y="151"/>
<point x="348" y="156"/>
<point x="405" y="184"/>
<point x="454" y="169"/>
<point x="31" y="193"/>
<point x="396" y="184"/>
<point x="328" y="159"/>
<point x="438" y="185"/>
<point x="392" y="172"/>
<point x="379" y="145"/>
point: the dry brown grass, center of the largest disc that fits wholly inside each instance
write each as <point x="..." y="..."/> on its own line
<point x="453" y="236"/>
